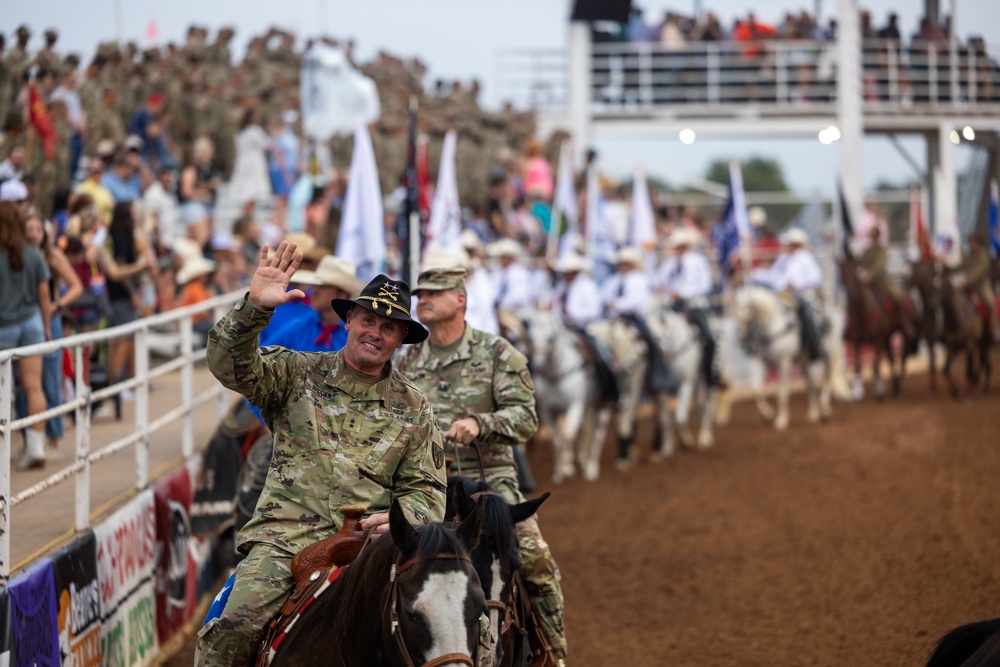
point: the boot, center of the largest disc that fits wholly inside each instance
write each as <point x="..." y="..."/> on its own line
<point x="52" y="452"/>
<point x="34" y="451"/>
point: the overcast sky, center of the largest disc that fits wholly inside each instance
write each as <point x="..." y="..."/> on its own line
<point x="461" y="39"/>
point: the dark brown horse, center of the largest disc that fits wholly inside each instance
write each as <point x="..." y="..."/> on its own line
<point x="496" y="555"/>
<point x="972" y="645"/>
<point x="871" y="324"/>
<point x="925" y="279"/>
<point x="411" y="598"/>
<point x="965" y="331"/>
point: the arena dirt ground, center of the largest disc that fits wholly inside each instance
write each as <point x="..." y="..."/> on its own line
<point x="856" y="542"/>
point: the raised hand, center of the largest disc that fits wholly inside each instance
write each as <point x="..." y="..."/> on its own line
<point x="270" y="280"/>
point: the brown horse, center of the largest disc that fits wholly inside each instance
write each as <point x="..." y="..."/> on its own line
<point x="965" y="330"/>
<point x="869" y="323"/>
<point x="925" y="279"/>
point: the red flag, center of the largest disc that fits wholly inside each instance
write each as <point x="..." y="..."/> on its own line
<point x="38" y="116"/>
<point x="423" y="179"/>
<point x="919" y="228"/>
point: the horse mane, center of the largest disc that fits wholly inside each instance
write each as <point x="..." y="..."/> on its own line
<point x="497" y="522"/>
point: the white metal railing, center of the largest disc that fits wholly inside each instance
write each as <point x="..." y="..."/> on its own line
<point x="81" y="406"/>
<point x="773" y="74"/>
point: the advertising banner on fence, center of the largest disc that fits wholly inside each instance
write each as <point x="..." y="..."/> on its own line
<point x="126" y="550"/>
<point x="176" y="571"/>
<point x="33" y="611"/>
<point x="78" y="595"/>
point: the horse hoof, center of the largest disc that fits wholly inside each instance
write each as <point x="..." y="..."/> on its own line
<point x="621" y="465"/>
<point x="781" y="423"/>
<point x="591" y="472"/>
<point x="661" y="454"/>
<point x="705" y="442"/>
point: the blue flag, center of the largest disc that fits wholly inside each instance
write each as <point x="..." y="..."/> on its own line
<point x="994" y="220"/>
<point x="733" y="227"/>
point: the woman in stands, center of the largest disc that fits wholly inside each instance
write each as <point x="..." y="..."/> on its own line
<point x="24" y="318"/>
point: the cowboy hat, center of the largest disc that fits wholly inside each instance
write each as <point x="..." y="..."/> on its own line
<point x="388" y="298"/>
<point x="794" y="236"/>
<point x="683" y="236"/>
<point x="628" y="255"/>
<point x="504" y="248"/>
<point x="331" y="272"/>
<point x="438" y="258"/>
<point x="194" y="267"/>
<point x="572" y="263"/>
<point x="757" y="216"/>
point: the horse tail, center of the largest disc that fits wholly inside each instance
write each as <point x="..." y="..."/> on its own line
<point x="959" y="644"/>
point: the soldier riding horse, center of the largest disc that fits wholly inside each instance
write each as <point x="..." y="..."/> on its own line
<point x="872" y="322"/>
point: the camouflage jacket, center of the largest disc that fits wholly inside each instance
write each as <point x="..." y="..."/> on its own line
<point x="486" y="378"/>
<point x="976" y="269"/>
<point x="335" y="442"/>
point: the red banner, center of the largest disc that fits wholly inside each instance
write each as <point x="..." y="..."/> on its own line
<point x="38" y="116"/>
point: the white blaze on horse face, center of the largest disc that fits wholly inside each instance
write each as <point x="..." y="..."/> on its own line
<point x="442" y="602"/>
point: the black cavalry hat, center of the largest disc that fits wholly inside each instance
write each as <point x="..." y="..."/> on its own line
<point x="388" y="298"/>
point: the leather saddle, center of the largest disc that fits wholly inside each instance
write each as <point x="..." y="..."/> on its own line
<point x="310" y="569"/>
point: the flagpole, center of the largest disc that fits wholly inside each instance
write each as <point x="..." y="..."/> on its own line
<point x="414" y="221"/>
<point x="552" y="243"/>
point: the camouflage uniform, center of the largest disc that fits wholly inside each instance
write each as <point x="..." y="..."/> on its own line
<point x="336" y="442"/>
<point x="875" y="261"/>
<point x="485" y="377"/>
<point x="976" y="271"/>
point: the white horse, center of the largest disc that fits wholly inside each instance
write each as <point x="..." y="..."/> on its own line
<point x="773" y="327"/>
<point x="678" y="342"/>
<point x="682" y="351"/>
<point x="568" y="396"/>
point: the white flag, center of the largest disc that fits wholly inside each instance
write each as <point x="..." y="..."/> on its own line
<point x="600" y="246"/>
<point x="334" y="95"/>
<point x="444" y="229"/>
<point x="642" y="230"/>
<point x="563" y="206"/>
<point x="362" y="225"/>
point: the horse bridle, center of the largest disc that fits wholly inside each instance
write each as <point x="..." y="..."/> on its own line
<point x="392" y="612"/>
<point x="499" y="605"/>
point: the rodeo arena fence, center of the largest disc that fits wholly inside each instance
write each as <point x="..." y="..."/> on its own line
<point x="116" y="591"/>
<point x="122" y="583"/>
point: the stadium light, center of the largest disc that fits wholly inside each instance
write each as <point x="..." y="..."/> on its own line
<point x="968" y="133"/>
<point x="955" y="137"/>
<point x="687" y="136"/>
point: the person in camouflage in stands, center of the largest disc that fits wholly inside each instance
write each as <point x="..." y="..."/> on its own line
<point x="482" y="394"/>
<point x="348" y="429"/>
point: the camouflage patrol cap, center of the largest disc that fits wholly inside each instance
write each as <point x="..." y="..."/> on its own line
<point x="441" y="279"/>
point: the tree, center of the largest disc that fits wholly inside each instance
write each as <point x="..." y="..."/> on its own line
<point x="759" y="175"/>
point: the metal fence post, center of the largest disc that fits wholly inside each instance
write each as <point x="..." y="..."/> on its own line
<point x="6" y="390"/>
<point x="82" y="423"/>
<point x="142" y="408"/>
<point x="187" y="387"/>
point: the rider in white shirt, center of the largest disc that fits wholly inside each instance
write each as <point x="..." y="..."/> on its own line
<point x="628" y="291"/>
<point x="576" y="300"/>
<point x="574" y="294"/>
<point x="797" y="272"/>
<point x="512" y="280"/>
<point x="688" y="281"/>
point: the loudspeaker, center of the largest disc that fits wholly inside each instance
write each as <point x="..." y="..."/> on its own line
<point x="601" y="10"/>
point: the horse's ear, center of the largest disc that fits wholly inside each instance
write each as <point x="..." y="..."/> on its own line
<point x="403" y="534"/>
<point x="457" y="505"/>
<point x="468" y="531"/>
<point x="522" y="511"/>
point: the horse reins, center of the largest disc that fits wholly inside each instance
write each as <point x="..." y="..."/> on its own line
<point x="392" y="612"/>
<point x="479" y="459"/>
